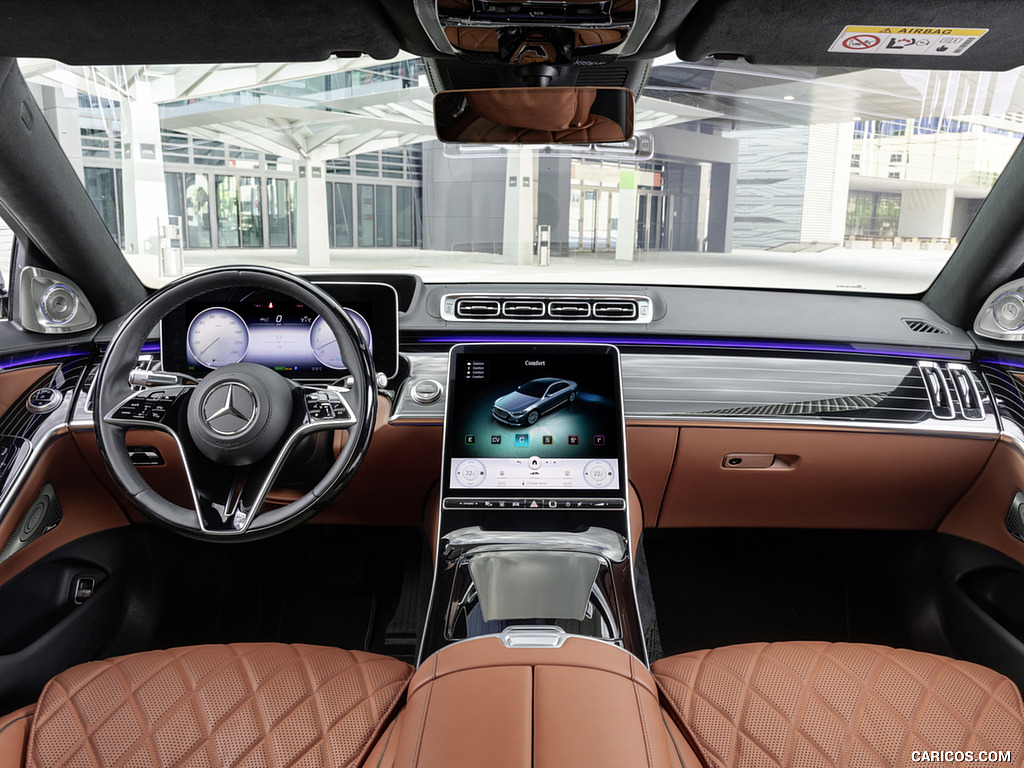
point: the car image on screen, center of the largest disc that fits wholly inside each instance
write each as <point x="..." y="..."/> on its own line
<point x="532" y="400"/>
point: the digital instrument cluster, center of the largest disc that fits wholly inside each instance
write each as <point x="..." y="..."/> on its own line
<point x="278" y="332"/>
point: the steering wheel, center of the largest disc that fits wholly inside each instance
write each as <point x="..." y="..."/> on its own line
<point x="236" y="427"/>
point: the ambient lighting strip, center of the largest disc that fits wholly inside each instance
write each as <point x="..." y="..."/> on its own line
<point x="627" y="341"/>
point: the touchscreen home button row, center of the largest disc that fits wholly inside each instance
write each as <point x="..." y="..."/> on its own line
<point x="538" y="503"/>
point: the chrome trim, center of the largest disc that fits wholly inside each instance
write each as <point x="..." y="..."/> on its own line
<point x="426" y="399"/>
<point x="959" y="369"/>
<point x="985" y="322"/>
<point x="926" y="367"/>
<point x="449" y="300"/>
<point x="533" y="637"/>
<point x="974" y="430"/>
<point x="52" y="405"/>
<point x="603" y="641"/>
<point x="30" y="294"/>
<point x="598" y="541"/>
<point x="663" y="397"/>
<point x="229" y="408"/>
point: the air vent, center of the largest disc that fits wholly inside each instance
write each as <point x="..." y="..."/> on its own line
<point x="569" y="310"/>
<point x="615" y="310"/>
<point x="604" y="309"/>
<point x="477" y="308"/>
<point x="967" y="391"/>
<point x="603" y="76"/>
<point x="938" y="391"/>
<point x="918" y="325"/>
<point x="522" y="309"/>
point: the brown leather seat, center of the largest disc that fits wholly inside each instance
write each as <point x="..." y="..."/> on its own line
<point x="813" y="704"/>
<point x="262" y="704"/>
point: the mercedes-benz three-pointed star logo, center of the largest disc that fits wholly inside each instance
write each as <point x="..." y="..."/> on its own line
<point x="229" y="408"/>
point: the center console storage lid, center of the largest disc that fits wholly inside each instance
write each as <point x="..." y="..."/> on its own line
<point x="581" y="702"/>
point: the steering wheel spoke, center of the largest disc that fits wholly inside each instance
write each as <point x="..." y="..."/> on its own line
<point x="228" y="500"/>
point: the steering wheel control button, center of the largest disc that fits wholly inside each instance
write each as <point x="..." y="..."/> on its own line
<point x="149" y="405"/>
<point x="427" y="391"/>
<point x="326" y="405"/>
<point x="43" y="400"/>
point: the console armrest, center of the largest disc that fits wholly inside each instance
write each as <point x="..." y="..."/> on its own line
<point x="585" y="702"/>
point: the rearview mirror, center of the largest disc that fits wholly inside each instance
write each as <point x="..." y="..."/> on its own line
<point x="535" y="115"/>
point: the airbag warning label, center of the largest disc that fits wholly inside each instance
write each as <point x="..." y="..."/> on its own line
<point x="913" y="41"/>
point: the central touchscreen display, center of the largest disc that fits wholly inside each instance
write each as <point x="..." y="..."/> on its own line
<point x="535" y="422"/>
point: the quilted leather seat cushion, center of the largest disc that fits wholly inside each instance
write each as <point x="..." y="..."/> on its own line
<point x="259" y="704"/>
<point x="813" y="704"/>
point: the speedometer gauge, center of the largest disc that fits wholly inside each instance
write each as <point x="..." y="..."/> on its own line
<point x="324" y="344"/>
<point x="217" y="336"/>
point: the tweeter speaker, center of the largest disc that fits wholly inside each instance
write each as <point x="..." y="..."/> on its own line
<point x="59" y="304"/>
<point x="42" y="516"/>
<point x="1008" y="311"/>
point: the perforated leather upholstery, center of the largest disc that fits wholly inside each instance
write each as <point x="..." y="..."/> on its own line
<point x="813" y="705"/>
<point x="258" y="704"/>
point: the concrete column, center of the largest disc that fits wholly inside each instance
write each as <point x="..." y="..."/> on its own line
<point x="625" y="240"/>
<point x="723" y="207"/>
<point x="826" y="183"/>
<point x="518" y="230"/>
<point x="311" y="233"/>
<point x="145" y="195"/>
<point x="703" y="204"/>
<point x="61" y="112"/>
<point x="926" y="213"/>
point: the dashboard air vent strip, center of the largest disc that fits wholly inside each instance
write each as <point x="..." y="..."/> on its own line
<point x="477" y="308"/>
<point x="523" y="308"/>
<point x="615" y="310"/>
<point x="918" y="325"/>
<point x="565" y="308"/>
<point x="569" y="310"/>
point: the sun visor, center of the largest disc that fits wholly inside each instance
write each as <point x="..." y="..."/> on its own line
<point x="227" y="31"/>
<point x="920" y="34"/>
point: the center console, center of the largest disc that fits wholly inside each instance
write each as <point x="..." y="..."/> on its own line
<point x="533" y="530"/>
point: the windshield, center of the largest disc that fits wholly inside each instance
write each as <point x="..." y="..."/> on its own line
<point x="823" y="179"/>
